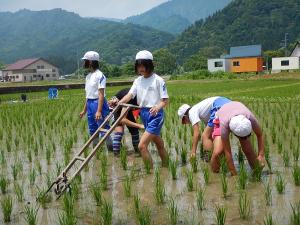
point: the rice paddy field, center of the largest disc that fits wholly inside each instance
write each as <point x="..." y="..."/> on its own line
<point x="38" y="139"/>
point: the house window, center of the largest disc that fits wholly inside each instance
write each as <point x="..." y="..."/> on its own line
<point x="17" y="76"/>
<point x="39" y="75"/>
<point x="285" y="63"/>
<point x="34" y="76"/>
<point x="38" y="67"/>
<point x="42" y="67"/>
<point x="53" y="70"/>
<point x="54" y="75"/>
<point x="47" y="75"/>
<point x="236" y="63"/>
<point x="219" y="64"/>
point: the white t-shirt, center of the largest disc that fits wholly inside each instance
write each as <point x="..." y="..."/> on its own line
<point x="93" y="82"/>
<point x="201" y="111"/>
<point x="149" y="91"/>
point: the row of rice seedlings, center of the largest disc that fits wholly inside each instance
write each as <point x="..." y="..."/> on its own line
<point x="220" y="213"/>
<point x="268" y="194"/>
<point x="19" y="191"/>
<point x="103" y="177"/>
<point x="68" y="216"/>
<point x="224" y="183"/>
<point x="295" y="217"/>
<point x="190" y="180"/>
<point x="106" y="212"/>
<point x="173" y="168"/>
<point x="159" y="189"/>
<point x="242" y="178"/>
<point x="286" y="158"/>
<point x="206" y="174"/>
<point x="3" y="184"/>
<point x="183" y="155"/>
<point x="127" y="186"/>
<point x="31" y="215"/>
<point x="123" y="158"/>
<point x="96" y="190"/>
<point x="7" y="206"/>
<point x="269" y="220"/>
<point x="173" y="212"/>
<point x="244" y="206"/>
<point x="280" y="184"/>
<point x="200" y="198"/>
<point x="32" y="177"/>
<point x="194" y="164"/>
<point x="142" y="214"/>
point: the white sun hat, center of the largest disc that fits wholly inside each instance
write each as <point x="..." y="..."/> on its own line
<point x="92" y="56"/>
<point x="182" y="110"/>
<point x="144" y="55"/>
<point x="240" y="126"/>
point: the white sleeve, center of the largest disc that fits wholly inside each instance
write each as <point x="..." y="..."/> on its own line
<point x="133" y="89"/>
<point x="102" y="82"/>
<point x="163" y="89"/>
<point x="193" y="116"/>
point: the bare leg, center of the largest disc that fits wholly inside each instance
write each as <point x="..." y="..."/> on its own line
<point x="161" y="150"/>
<point x="143" y="147"/>
<point x="249" y="152"/>
<point x="207" y="138"/>
<point x="215" y="158"/>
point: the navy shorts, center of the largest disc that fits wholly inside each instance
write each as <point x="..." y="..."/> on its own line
<point x="153" y="124"/>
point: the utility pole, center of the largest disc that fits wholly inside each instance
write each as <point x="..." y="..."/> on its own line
<point x="285" y="44"/>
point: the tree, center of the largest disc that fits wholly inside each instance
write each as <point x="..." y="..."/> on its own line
<point x="128" y="69"/>
<point x="268" y="55"/>
<point x="2" y="66"/>
<point x="165" y="61"/>
<point x="195" y="62"/>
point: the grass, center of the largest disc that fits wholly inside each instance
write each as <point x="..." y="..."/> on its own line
<point x="200" y="198"/>
<point x="244" y="206"/>
<point x="173" y="168"/>
<point x="190" y="180"/>
<point x="159" y="189"/>
<point x="268" y="194"/>
<point x="97" y="193"/>
<point x="194" y="164"/>
<point x="295" y="216"/>
<point x="296" y="174"/>
<point x="173" y="212"/>
<point x="7" y="206"/>
<point x="269" y="220"/>
<point x="106" y="213"/>
<point x="3" y="184"/>
<point x="224" y="184"/>
<point x="242" y="178"/>
<point x="220" y="214"/>
<point x="280" y="184"/>
<point x="31" y="215"/>
<point x="123" y="158"/>
<point x="19" y="191"/>
<point x="206" y="174"/>
<point x="127" y="186"/>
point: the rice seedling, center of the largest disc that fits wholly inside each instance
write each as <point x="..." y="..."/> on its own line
<point x="3" y="184"/>
<point x="257" y="172"/>
<point x="286" y="158"/>
<point x="106" y="213"/>
<point x="240" y="156"/>
<point x="296" y="174"/>
<point x="242" y="178"/>
<point x="200" y="198"/>
<point x="7" y="206"/>
<point x="295" y="217"/>
<point x="194" y="164"/>
<point x="190" y="180"/>
<point x="159" y="189"/>
<point x="123" y="158"/>
<point x="206" y="174"/>
<point x="147" y="165"/>
<point x="31" y="215"/>
<point x="97" y="194"/>
<point x="19" y="191"/>
<point x="224" y="183"/>
<point x="183" y="155"/>
<point x="32" y="177"/>
<point x="104" y="178"/>
<point x="43" y="198"/>
<point x="269" y="220"/>
<point x="48" y="155"/>
<point x="144" y="216"/>
<point x="223" y="165"/>
<point x="220" y="213"/>
<point x="64" y="219"/>
<point x="280" y="183"/>
<point x="15" y="171"/>
<point x="137" y="204"/>
<point x="173" y="168"/>
<point x="173" y="212"/>
<point x="244" y="206"/>
<point x="75" y="186"/>
<point x="296" y="153"/>
<point x="127" y="186"/>
<point x="268" y="194"/>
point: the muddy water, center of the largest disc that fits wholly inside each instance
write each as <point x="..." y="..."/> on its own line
<point x="89" y="213"/>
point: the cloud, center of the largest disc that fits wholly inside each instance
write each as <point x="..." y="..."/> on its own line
<point x="87" y="8"/>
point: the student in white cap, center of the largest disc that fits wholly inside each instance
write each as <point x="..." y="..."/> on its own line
<point x="95" y="106"/>
<point x="203" y="111"/>
<point x="152" y="96"/>
<point x="237" y="118"/>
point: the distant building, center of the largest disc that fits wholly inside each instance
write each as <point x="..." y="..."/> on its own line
<point x="28" y="70"/>
<point x="215" y="65"/>
<point x="285" y="64"/>
<point x="296" y="50"/>
<point x="242" y="59"/>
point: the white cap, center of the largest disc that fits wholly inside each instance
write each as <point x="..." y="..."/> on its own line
<point x="92" y="56"/>
<point x="144" y="55"/>
<point x="182" y="110"/>
<point x="240" y="126"/>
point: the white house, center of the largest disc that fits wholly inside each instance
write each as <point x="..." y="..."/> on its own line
<point x="296" y="50"/>
<point x="215" y="65"/>
<point x="28" y="70"/>
<point x="285" y="63"/>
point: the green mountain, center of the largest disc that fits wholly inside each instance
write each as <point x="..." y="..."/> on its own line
<point x="63" y="37"/>
<point x="176" y="15"/>
<point x="242" y="22"/>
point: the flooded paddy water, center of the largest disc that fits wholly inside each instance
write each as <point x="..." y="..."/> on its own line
<point x="38" y="139"/>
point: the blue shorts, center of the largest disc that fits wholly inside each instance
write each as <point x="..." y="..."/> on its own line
<point x="218" y="103"/>
<point x="153" y="124"/>
<point x="92" y="107"/>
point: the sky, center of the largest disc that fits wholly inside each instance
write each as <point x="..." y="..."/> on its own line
<point x="119" y="9"/>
